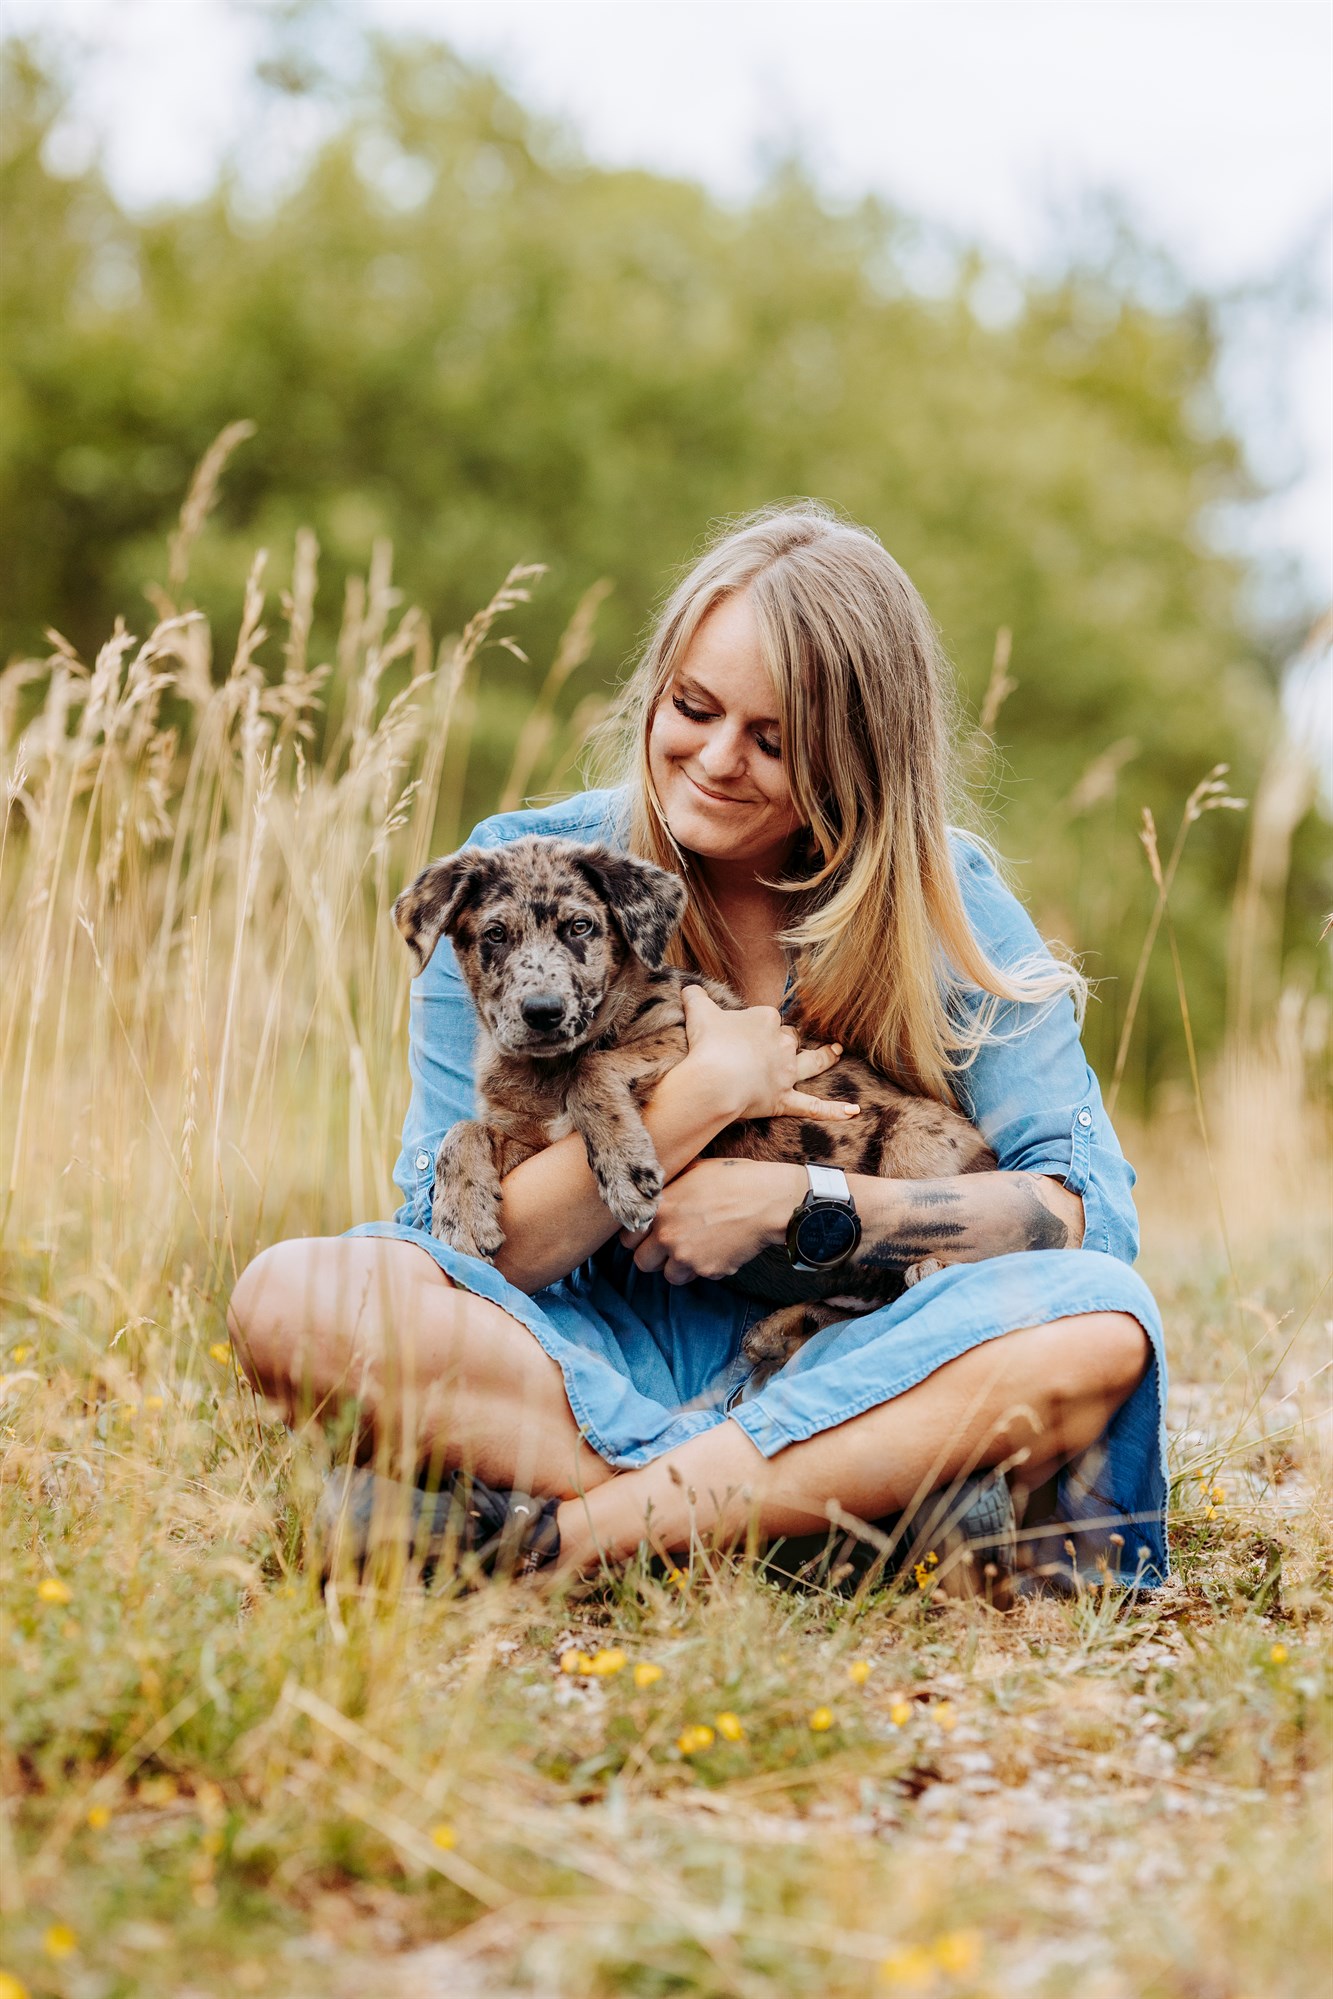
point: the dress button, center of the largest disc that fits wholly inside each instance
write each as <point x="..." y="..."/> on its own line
<point x="423" y="1161"/>
<point x="1085" y="1117"/>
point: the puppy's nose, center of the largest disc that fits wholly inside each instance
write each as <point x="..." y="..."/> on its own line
<point x="543" y="1011"/>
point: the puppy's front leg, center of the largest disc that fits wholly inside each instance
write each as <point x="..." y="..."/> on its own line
<point x="627" y="1170"/>
<point x="465" y="1201"/>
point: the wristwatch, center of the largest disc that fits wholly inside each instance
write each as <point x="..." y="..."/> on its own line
<point x="826" y="1228"/>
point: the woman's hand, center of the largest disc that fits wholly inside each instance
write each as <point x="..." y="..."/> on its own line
<point x="716" y="1215"/>
<point x="754" y="1063"/>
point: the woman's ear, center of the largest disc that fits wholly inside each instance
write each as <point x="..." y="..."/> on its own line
<point x="645" y="901"/>
<point x="437" y="898"/>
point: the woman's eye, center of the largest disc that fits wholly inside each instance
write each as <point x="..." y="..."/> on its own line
<point x="580" y="926"/>
<point x="494" y="933"/>
<point x="769" y="749"/>
<point x="690" y="714"/>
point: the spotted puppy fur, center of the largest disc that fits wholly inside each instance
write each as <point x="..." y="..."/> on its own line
<point x="563" y="948"/>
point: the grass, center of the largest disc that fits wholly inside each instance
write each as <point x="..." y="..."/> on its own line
<point x="218" y="1779"/>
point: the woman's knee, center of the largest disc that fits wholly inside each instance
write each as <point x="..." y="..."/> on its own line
<point x="1123" y="1353"/>
<point x="287" y="1306"/>
<point x="261" y="1311"/>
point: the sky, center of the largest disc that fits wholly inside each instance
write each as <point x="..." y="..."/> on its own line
<point x="1212" y="123"/>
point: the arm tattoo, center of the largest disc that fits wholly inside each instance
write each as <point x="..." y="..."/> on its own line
<point x="962" y="1221"/>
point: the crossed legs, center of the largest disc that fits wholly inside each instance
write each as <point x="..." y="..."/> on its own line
<point x="447" y="1378"/>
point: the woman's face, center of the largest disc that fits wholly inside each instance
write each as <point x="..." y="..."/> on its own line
<point x="714" y="748"/>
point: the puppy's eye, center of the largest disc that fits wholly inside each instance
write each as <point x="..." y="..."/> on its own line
<point x="580" y="926"/>
<point x="494" y="933"/>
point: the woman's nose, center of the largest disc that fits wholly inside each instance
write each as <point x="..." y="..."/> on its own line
<point x="723" y="753"/>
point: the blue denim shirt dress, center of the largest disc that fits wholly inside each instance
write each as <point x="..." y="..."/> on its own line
<point x="647" y="1364"/>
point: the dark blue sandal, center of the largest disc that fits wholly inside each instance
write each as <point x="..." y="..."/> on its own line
<point x="464" y="1524"/>
<point x="960" y="1542"/>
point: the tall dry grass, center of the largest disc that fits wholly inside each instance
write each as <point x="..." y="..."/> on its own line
<point x="218" y="1778"/>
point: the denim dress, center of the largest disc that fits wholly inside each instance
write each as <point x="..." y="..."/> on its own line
<point x="647" y="1364"/>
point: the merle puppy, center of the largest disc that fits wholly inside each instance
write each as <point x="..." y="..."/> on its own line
<point x="562" y="947"/>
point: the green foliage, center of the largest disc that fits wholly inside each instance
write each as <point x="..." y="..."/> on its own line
<point x="454" y="333"/>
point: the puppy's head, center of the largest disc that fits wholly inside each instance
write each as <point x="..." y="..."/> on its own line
<point x="542" y="929"/>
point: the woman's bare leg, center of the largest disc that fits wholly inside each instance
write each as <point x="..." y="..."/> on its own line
<point x="440" y="1376"/>
<point x="1048" y="1391"/>
<point x="447" y="1378"/>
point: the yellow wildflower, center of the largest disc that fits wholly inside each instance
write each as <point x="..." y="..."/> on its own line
<point x="900" y="1713"/>
<point x="647" y="1673"/>
<point x="945" y="1714"/>
<point x="859" y="1672"/>
<point x="691" y="1740"/>
<point x="11" y="1987"/>
<point x="444" y="1837"/>
<point x="1219" y="1493"/>
<point x="678" y="1577"/>
<point x="220" y="1352"/>
<point x="154" y="1402"/>
<point x="99" y="1817"/>
<point x="52" y="1590"/>
<point x="913" y="1968"/>
<point x="608" y="1660"/>
<point x="922" y="1574"/>
<point x="19" y="1354"/>
<point x="1211" y="1514"/>
<point x="957" y="1951"/>
<point x="60" y="1941"/>
<point x="1278" y="1654"/>
<point x="576" y="1662"/>
<point x="729" y="1726"/>
<point x="821" y="1719"/>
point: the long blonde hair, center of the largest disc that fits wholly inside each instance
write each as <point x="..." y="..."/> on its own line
<point x="884" y="953"/>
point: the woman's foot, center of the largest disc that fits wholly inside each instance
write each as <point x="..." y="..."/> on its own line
<point x="960" y="1542"/>
<point x="465" y="1523"/>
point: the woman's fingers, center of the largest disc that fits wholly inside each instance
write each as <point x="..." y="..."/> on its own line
<point x="814" y="1061"/>
<point x="698" y="1008"/>
<point x="795" y="1103"/>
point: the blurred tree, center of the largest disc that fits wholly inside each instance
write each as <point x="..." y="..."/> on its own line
<point x="455" y="333"/>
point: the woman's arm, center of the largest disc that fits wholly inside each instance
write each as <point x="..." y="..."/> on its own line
<point x="963" y="1220"/>
<point x="739" y="1065"/>
<point x="721" y="1212"/>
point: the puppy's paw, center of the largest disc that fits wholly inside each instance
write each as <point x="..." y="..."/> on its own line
<point x="631" y="1189"/>
<point x="473" y="1234"/>
<point x="776" y="1338"/>
<point x="926" y="1268"/>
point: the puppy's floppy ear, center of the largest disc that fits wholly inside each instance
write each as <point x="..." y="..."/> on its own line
<point x="436" y="900"/>
<point x="646" y="902"/>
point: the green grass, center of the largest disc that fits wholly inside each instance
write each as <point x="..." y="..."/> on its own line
<point x="219" y="1780"/>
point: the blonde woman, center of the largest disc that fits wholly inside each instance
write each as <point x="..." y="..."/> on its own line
<point x="788" y="750"/>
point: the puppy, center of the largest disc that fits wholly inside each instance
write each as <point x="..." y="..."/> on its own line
<point x="562" y="947"/>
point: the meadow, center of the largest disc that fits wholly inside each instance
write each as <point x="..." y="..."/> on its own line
<point x="219" y="1778"/>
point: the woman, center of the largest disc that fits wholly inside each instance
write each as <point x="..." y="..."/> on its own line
<point x="790" y="753"/>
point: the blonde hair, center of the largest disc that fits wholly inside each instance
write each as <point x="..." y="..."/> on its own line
<point x="884" y="952"/>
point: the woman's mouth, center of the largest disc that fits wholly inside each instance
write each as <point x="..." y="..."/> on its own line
<point x="715" y="797"/>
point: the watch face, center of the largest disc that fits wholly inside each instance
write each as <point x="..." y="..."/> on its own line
<point x="824" y="1235"/>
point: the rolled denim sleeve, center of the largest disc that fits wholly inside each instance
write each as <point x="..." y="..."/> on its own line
<point x="1030" y="1091"/>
